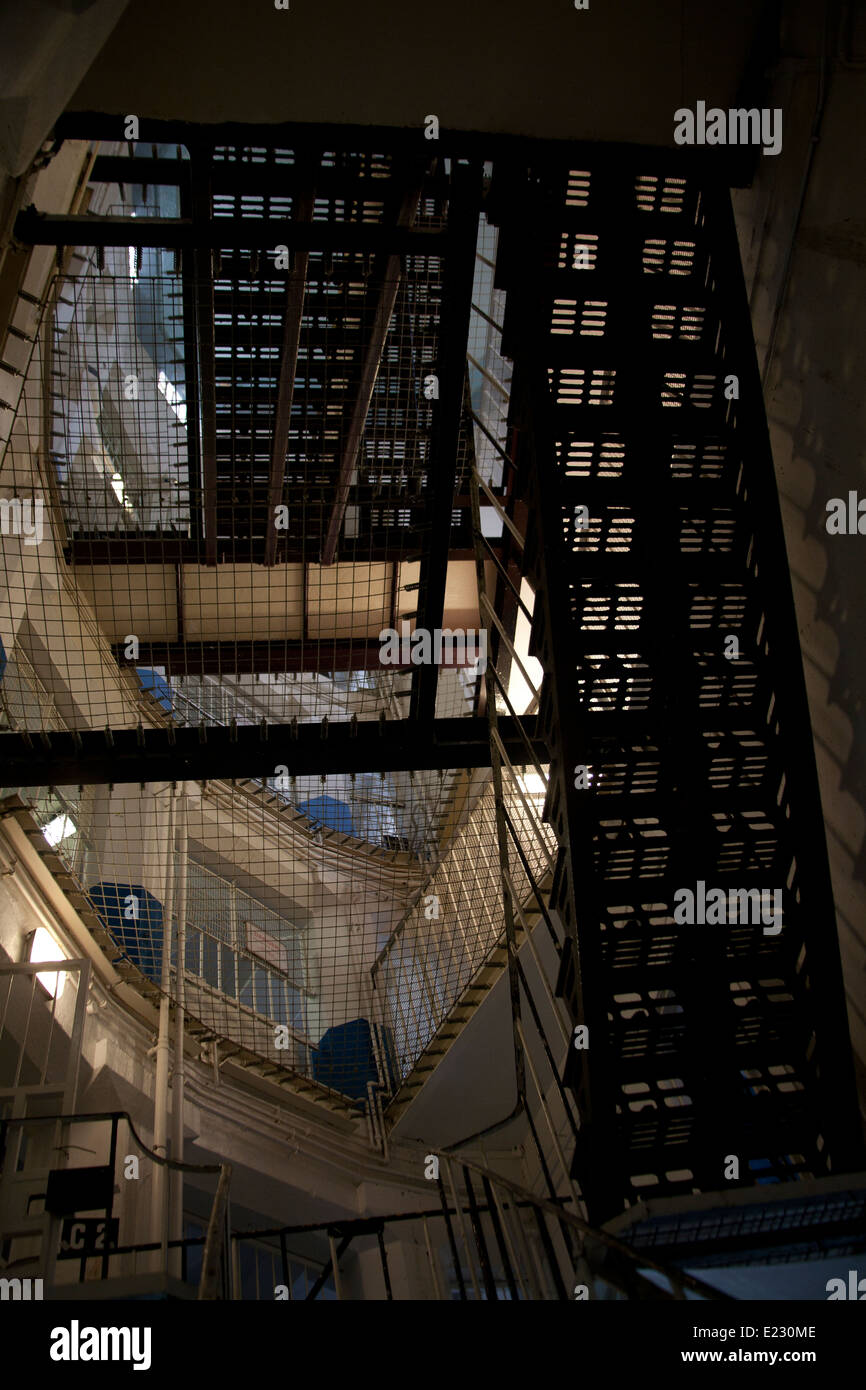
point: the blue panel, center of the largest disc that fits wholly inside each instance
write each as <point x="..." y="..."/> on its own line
<point x="2" y="659"/>
<point x="139" y="938"/>
<point x="345" y="1060"/>
<point x="327" y="811"/>
<point x="156" y="684"/>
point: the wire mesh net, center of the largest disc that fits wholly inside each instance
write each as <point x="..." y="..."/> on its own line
<point x="295" y="939"/>
<point x="434" y="956"/>
<point x="233" y="457"/>
<point x="227" y="525"/>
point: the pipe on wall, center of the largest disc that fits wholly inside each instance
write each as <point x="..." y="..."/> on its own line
<point x="178" y="1079"/>
<point x="159" y="1223"/>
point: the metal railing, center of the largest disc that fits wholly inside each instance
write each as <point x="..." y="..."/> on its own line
<point x="484" y="1238"/>
<point x="232" y="987"/>
<point x="216" y="1272"/>
<point x="238" y="993"/>
<point x="505" y="1242"/>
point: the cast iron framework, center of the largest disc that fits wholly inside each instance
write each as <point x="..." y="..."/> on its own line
<point x="677" y="757"/>
<point x="626" y="317"/>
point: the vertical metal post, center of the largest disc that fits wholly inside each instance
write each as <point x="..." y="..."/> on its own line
<point x="552" y="1262"/>
<point x="514" y="1254"/>
<point x="525" y="1251"/>
<point x="383" y="1256"/>
<point x="335" y="1266"/>
<point x="500" y="1239"/>
<point x="464" y="206"/>
<point x="542" y="1036"/>
<point x="542" y="1283"/>
<point x="112" y="1161"/>
<point x="159" y="1223"/>
<point x="177" y="1098"/>
<point x="380" y="1110"/>
<point x="480" y="1242"/>
<point x="547" y="1115"/>
<point x="451" y="1241"/>
<point x="561" y="713"/>
<point x="501" y="831"/>
<point x="431" y="1260"/>
<point x="230" y="1266"/>
<point x="461" y="1223"/>
<point x="215" y="1240"/>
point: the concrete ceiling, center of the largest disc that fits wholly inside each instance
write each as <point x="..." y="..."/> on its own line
<point x="609" y="72"/>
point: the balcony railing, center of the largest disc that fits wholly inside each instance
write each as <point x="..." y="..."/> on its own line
<point x="245" y="970"/>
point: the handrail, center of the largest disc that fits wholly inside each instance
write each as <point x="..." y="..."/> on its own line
<point x="522" y="1199"/>
<point x="500" y="510"/>
<point x="489" y="376"/>
<point x="199" y="983"/>
<point x="476" y="419"/>
<point x="174" y="1163"/>
<point x="488" y="607"/>
<point x="597" y="1233"/>
<point x="214" y="1243"/>
<point x="492" y="558"/>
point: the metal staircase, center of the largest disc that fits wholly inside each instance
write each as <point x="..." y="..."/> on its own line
<point x="718" y="1053"/>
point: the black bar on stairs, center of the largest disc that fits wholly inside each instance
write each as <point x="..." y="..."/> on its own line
<point x="500" y="1239"/>
<point x="383" y="1256"/>
<point x="451" y="1241"/>
<point x="480" y="1242"/>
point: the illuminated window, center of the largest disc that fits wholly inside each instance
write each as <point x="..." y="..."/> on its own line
<point x="45" y="948"/>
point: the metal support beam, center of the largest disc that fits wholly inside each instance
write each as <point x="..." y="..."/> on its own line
<point x="480" y="1241"/>
<point x="84" y="757"/>
<point x="215" y="1248"/>
<point x="137" y="549"/>
<point x="235" y="177"/>
<point x="33" y="228"/>
<point x="383" y="1256"/>
<point x="332" y="1266"/>
<point x="387" y="297"/>
<point x="735" y="163"/>
<point x="447" y="412"/>
<point x="275" y="656"/>
<point x="303" y="213"/>
<point x="569" y="813"/>
<point x="204" y="305"/>
<point x="500" y="1239"/>
<point x="458" y="1272"/>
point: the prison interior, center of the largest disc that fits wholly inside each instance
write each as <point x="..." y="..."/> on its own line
<point x="271" y="902"/>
